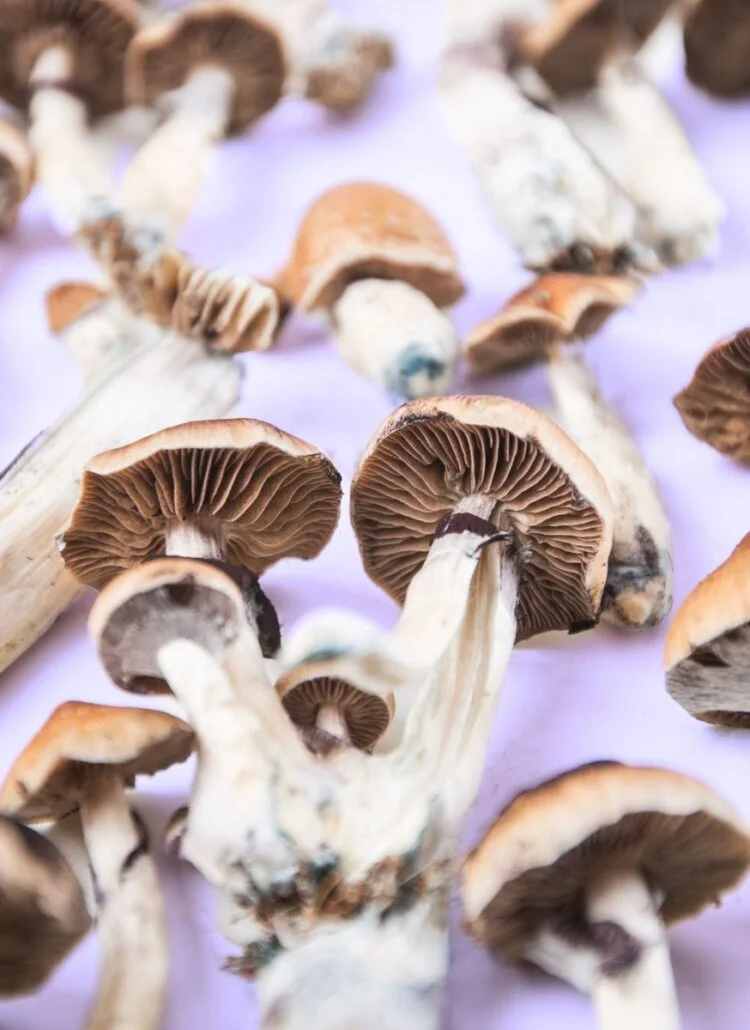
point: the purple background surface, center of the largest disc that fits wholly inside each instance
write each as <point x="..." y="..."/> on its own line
<point x="595" y="696"/>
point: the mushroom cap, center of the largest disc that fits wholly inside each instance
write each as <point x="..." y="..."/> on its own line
<point x="224" y="34"/>
<point x="532" y="867"/>
<point x="16" y="170"/>
<point x="715" y="405"/>
<point x="559" y="307"/>
<point x="365" y="230"/>
<point x="79" y="740"/>
<point x="717" y="47"/>
<point x="69" y="301"/>
<point x="707" y="651"/>
<point x="429" y="454"/>
<point x="367" y="716"/>
<point x="261" y="493"/>
<point x="42" y="909"/>
<point x="96" y="32"/>
<point x="149" y="606"/>
<point x="569" y="47"/>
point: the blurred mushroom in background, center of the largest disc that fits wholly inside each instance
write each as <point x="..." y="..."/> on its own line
<point x="16" y="172"/>
<point x="717" y="46"/>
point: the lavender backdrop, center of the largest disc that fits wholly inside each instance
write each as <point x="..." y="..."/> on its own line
<point x="596" y="696"/>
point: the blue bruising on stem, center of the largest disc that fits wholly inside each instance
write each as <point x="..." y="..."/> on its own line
<point x="416" y="370"/>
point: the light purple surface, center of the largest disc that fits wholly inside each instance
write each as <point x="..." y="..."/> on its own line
<point x="596" y="696"/>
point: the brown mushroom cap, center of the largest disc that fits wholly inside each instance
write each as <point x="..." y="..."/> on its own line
<point x="531" y="869"/>
<point x="715" y="405"/>
<point x="717" y="47"/>
<point x="429" y="454"/>
<point x="262" y="493"/>
<point x="49" y="778"/>
<point x="96" y="32"/>
<point x="364" y="230"/>
<point x="556" y="308"/>
<point x="707" y="651"/>
<point x="367" y="716"/>
<point x="225" y="34"/>
<point x="42" y="909"/>
<point x="69" y="301"/>
<point x="153" y="604"/>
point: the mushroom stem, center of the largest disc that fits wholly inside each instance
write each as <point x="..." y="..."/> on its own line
<point x="158" y="380"/>
<point x="392" y="333"/>
<point x="331" y="720"/>
<point x="69" y="167"/>
<point x="130" y="921"/>
<point x="635" y="986"/>
<point x="639" y="580"/>
<point x="162" y="182"/>
<point x="186" y="541"/>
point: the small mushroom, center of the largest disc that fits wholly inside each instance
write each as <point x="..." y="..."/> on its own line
<point x="581" y="874"/>
<point x="84" y="757"/>
<point x="381" y="267"/>
<point x="714" y="405"/>
<point x="43" y="911"/>
<point x="216" y="68"/>
<point x="717" y="47"/>
<point x="707" y="652"/>
<point x="16" y="173"/>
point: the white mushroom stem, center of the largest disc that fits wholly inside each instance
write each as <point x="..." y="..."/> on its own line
<point x="639" y="582"/>
<point x="331" y="720"/>
<point x="644" y="995"/>
<point x="162" y="182"/>
<point x="69" y="166"/>
<point x="155" y="380"/>
<point x="100" y="337"/>
<point x="392" y="333"/>
<point x="130" y="920"/>
<point x="187" y="541"/>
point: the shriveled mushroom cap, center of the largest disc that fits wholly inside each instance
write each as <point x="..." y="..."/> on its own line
<point x="48" y="779"/>
<point x="42" y="909"/>
<point x="16" y="172"/>
<point x="556" y="308"/>
<point x="707" y="652"/>
<point x="717" y="47"/>
<point x="570" y="46"/>
<point x="153" y="604"/>
<point x="367" y="716"/>
<point x="224" y="34"/>
<point x="429" y="454"/>
<point x="532" y="867"/>
<point x="69" y="301"/>
<point x="365" y="230"/>
<point x="715" y="405"/>
<point x="95" y="32"/>
<point x="262" y="493"/>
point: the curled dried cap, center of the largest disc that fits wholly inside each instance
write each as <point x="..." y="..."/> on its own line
<point x="715" y="405"/>
<point x="224" y="34"/>
<point x="365" y="230"/>
<point x="708" y="645"/>
<point x="531" y="871"/>
<point x="16" y="172"/>
<point x="69" y="301"/>
<point x="95" y="34"/>
<point x="556" y="308"/>
<point x="42" y="909"/>
<point x="717" y="47"/>
<point x="549" y="499"/>
<point x="80" y="741"/>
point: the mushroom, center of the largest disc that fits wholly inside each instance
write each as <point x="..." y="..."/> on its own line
<point x="580" y="875"/>
<point x="381" y="267"/>
<point x="84" y="757"/>
<point x="704" y="656"/>
<point x="216" y="68"/>
<point x="16" y="173"/>
<point x="64" y="64"/>
<point x="548" y="317"/>
<point x="43" y="911"/>
<point x="714" y="405"/>
<point x="91" y="323"/>
<point x="717" y="47"/>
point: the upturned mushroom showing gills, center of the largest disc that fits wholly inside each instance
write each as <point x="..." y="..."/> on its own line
<point x="707" y="652"/>
<point x="581" y="874"/>
<point x="215" y="68"/>
<point x="715" y="405"/>
<point x="16" y="173"/>
<point x="379" y="265"/>
<point x="717" y="47"/>
<point x="83" y="758"/>
<point x="43" y="911"/>
<point x="63" y="62"/>
<point x="545" y="320"/>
